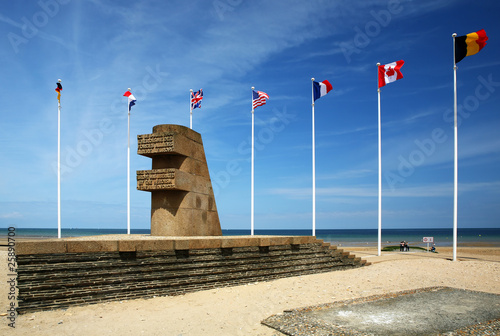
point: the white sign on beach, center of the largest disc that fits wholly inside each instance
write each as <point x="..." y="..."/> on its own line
<point x="428" y="240"/>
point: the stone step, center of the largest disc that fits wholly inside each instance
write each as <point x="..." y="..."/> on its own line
<point x="51" y="271"/>
<point x="126" y="285"/>
<point x="46" y="304"/>
<point x="131" y="274"/>
<point x="60" y="280"/>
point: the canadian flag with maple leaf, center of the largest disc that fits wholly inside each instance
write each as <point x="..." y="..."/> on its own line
<point x="389" y="73"/>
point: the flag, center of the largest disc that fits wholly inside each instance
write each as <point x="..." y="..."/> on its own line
<point x="320" y="89"/>
<point x="389" y="73"/>
<point x="58" y="90"/>
<point x="469" y="44"/>
<point x="131" y="99"/>
<point x="259" y="98"/>
<point x="196" y="98"/>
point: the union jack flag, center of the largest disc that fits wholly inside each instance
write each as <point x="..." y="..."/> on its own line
<point x="259" y="98"/>
<point x="196" y="98"/>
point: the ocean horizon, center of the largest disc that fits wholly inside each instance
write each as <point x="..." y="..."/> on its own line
<point x="340" y="237"/>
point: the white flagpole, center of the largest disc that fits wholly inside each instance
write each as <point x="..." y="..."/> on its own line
<point x="128" y="169"/>
<point x="59" y="167"/>
<point x="379" y="175"/>
<point x="252" y="187"/>
<point x="455" y="179"/>
<point x="313" y="166"/>
<point x="190" y="109"/>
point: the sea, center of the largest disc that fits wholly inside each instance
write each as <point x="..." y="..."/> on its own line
<point x="482" y="237"/>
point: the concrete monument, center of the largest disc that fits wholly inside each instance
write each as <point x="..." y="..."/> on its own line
<point x="170" y="261"/>
<point x="182" y="198"/>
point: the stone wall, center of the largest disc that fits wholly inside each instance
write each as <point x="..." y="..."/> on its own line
<point x="127" y="269"/>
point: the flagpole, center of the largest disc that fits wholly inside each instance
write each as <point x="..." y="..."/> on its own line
<point x="59" y="167"/>
<point x="128" y="169"/>
<point x="379" y="175"/>
<point x="313" y="165"/>
<point x="190" y="109"/>
<point x="455" y="160"/>
<point x="252" y="187"/>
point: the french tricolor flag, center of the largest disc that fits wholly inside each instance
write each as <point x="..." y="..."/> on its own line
<point x="131" y="99"/>
<point x="320" y="89"/>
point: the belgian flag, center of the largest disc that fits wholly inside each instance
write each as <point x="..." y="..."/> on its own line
<point x="469" y="44"/>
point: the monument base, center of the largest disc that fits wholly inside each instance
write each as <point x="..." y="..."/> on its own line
<point x="58" y="273"/>
<point x="195" y="208"/>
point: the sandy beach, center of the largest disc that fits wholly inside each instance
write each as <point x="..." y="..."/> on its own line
<point x="239" y="310"/>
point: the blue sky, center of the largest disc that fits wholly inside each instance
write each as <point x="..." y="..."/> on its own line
<point x="161" y="49"/>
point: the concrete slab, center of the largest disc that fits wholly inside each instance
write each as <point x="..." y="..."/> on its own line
<point x="34" y="247"/>
<point x="145" y="245"/>
<point x="91" y="246"/>
<point x="275" y="240"/>
<point x="427" y="311"/>
<point x="205" y="243"/>
<point x="305" y="240"/>
<point x="240" y="241"/>
<point x="128" y="243"/>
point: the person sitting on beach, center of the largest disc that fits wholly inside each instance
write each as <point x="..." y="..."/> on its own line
<point x="406" y="247"/>
<point x="433" y="248"/>
<point x="401" y="246"/>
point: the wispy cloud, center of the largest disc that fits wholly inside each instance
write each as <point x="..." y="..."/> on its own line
<point x="348" y="174"/>
<point x="359" y="129"/>
<point x="10" y="215"/>
<point x="429" y="190"/>
<point x="481" y="65"/>
<point x="305" y="193"/>
<point x="415" y="117"/>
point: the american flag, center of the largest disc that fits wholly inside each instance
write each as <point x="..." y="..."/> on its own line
<point x="196" y="98"/>
<point x="259" y="98"/>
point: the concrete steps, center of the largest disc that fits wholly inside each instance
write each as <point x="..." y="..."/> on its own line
<point x="58" y="280"/>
